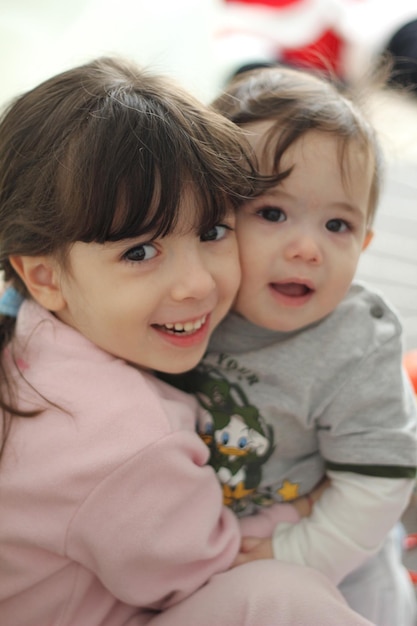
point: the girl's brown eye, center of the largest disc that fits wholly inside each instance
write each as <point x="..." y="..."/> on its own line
<point x="215" y="233"/>
<point x="142" y="252"/>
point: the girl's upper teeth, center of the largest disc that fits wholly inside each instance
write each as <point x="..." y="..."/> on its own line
<point x="186" y="326"/>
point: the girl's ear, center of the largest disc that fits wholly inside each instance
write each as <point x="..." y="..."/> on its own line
<point x="368" y="238"/>
<point x="41" y="277"/>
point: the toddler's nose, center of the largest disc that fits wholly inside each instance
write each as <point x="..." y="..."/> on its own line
<point x="305" y="248"/>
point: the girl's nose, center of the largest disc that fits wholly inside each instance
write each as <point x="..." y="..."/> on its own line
<point x="192" y="278"/>
<point x="303" y="247"/>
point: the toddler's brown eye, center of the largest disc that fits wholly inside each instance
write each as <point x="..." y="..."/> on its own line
<point x="337" y="226"/>
<point x="272" y="214"/>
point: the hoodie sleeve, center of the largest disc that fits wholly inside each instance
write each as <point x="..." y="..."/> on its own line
<point x="155" y="529"/>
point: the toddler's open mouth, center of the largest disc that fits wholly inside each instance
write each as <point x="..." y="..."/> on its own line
<point x="291" y="289"/>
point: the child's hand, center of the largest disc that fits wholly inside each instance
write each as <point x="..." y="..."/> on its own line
<point x="304" y="505"/>
<point x="255" y="548"/>
<point x="252" y="549"/>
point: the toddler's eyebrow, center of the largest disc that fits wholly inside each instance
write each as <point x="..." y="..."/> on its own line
<point x="351" y="208"/>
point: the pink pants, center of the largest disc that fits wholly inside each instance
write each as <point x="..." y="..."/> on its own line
<point x="262" y="593"/>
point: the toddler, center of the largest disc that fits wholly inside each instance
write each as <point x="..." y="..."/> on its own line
<point x="303" y="379"/>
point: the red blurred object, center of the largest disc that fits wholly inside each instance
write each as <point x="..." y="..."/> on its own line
<point x="299" y="33"/>
<point x="325" y="53"/>
<point x="413" y="576"/>
<point x="279" y="4"/>
<point x="410" y="364"/>
<point x="410" y="542"/>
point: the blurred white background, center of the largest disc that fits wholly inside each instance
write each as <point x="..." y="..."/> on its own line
<point x="39" y="38"/>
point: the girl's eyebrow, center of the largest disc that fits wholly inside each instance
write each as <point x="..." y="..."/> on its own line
<point x="122" y="244"/>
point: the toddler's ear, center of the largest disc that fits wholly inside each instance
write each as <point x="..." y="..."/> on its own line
<point x="41" y="277"/>
<point x="368" y="238"/>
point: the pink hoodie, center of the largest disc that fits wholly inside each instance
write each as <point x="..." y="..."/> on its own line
<point x="106" y="501"/>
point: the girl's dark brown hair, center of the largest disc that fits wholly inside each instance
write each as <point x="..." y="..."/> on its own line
<point x="103" y="152"/>
<point x="298" y="101"/>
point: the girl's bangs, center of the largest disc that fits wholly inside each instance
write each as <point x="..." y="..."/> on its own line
<point x="132" y="179"/>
